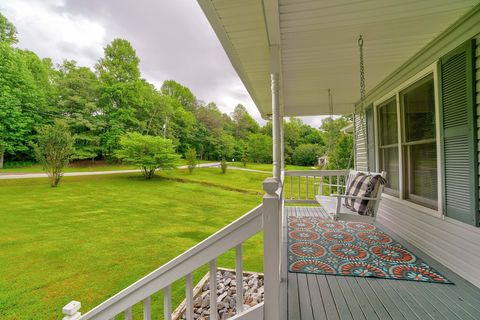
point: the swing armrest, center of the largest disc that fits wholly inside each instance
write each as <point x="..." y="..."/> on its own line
<point x="352" y="197"/>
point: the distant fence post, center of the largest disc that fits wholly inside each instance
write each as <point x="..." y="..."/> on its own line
<point x="71" y="311"/>
<point x="271" y="248"/>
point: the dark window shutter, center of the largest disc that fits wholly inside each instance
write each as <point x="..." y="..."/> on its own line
<point x="458" y="129"/>
<point x="370" y="139"/>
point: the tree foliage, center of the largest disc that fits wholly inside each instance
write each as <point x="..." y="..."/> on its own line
<point x="306" y="154"/>
<point x="191" y="157"/>
<point x="149" y="153"/>
<point x="100" y="106"/>
<point x="53" y="149"/>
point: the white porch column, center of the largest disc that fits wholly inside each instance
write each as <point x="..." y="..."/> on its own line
<point x="271" y="249"/>
<point x="276" y="127"/>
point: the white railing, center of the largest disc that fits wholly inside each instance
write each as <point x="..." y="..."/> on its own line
<point x="301" y="186"/>
<point x="265" y="217"/>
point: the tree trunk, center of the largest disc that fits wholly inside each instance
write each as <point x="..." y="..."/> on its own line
<point x="1" y="159"/>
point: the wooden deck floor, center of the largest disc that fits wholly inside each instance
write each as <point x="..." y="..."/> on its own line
<point x="336" y="297"/>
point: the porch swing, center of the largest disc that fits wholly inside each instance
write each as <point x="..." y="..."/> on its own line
<point x="358" y="200"/>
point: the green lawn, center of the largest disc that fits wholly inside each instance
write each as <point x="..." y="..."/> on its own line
<point x="267" y="166"/>
<point x="94" y="235"/>
<point x="100" y="166"/>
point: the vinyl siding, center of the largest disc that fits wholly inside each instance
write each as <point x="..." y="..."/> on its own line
<point x="361" y="162"/>
<point x="453" y="243"/>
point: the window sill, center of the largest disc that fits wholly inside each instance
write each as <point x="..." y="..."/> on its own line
<point x="422" y="209"/>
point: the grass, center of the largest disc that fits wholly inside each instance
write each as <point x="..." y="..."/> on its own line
<point x="266" y="166"/>
<point x="84" y="167"/>
<point x="94" y="235"/>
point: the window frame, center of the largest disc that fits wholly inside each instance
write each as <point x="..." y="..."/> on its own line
<point x="433" y="70"/>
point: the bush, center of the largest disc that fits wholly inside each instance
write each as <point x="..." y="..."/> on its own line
<point x="244" y="160"/>
<point x="191" y="157"/>
<point x="53" y="149"/>
<point x="149" y="153"/>
<point x="306" y="154"/>
<point x="223" y="166"/>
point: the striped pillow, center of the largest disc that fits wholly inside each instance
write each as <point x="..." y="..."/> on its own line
<point x="363" y="185"/>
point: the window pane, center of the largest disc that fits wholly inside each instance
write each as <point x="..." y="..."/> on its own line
<point x="419" y="108"/>
<point x="388" y="123"/>
<point x="423" y="160"/>
<point x="390" y="165"/>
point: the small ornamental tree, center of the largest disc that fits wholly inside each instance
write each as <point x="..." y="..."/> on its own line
<point x="223" y="165"/>
<point x="191" y="157"/>
<point x="149" y="153"/>
<point x="244" y="159"/>
<point x="53" y="149"/>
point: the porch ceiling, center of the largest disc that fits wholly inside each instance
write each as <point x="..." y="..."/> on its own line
<point x="318" y="44"/>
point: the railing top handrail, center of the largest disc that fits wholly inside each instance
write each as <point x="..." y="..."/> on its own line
<point x="222" y="233"/>
<point x="317" y="173"/>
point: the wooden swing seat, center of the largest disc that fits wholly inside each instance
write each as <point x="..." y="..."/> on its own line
<point x="335" y="203"/>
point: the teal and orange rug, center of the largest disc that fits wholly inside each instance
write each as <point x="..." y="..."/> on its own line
<point x="352" y="249"/>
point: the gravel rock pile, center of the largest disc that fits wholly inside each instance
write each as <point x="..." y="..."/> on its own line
<point x="226" y="295"/>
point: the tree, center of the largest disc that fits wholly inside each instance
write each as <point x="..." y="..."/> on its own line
<point x="260" y="148"/>
<point x="306" y="154"/>
<point x="77" y="91"/>
<point x="244" y="123"/>
<point x="147" y="152"/>
<point x="53" y="149"/>
<point x="181" y="93"/>
<point x="20" y="103"/>
<point x="223" y="166"/>
<point x="120" y="91"/>
<point x="8" y="32"/>
<point x="341" y="156"/>
<point x="191" y="157"/>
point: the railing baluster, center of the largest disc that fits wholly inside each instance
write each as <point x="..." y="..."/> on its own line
<point x="291" y="187"/>
<point x="189" y="296"/>
<point x="147" y="309"/>
<point x="239" y="277"/>
<point x="167" y="303"/>
<point x="329" y="185"/>
<point x="338" y="186"/>
<point x="298" y="195"/>
<point x="213" y="289"/>
<point x="128" y="314"/>
<point x="321" y="184"/>
<point x="306" y="187"/>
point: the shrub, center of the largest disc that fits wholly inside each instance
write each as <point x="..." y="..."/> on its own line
<point x="223" y="166"/>
<point x="149" y="153"/>
<point x="244" y="159"/>
<point x="306" y="154"/>
<point x="53" y="149"/>
<point x="191" y="157"/>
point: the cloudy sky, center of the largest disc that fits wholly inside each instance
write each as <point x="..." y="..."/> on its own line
<point x="172" y="38"/>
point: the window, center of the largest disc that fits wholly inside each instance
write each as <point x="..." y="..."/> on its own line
<point x="419" y="143"/>
<point x="388" y="145"/>
<point x="412" y="173"/>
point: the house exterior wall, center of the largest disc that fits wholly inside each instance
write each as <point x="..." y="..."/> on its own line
<point x="452" y="243"/>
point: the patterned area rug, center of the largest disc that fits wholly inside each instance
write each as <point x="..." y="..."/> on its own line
<point x="352" y="249"/>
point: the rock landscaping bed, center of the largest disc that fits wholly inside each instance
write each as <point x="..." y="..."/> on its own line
<point x="226" y="295"/>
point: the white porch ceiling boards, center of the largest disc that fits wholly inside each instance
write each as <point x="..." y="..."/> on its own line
<point x="318" y="42"/>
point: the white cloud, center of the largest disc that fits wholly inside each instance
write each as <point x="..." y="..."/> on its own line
<point x="49" y="32"/>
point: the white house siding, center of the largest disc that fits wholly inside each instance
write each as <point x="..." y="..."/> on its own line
<point x="452" y="243"/>
<point x="360" y="144"/>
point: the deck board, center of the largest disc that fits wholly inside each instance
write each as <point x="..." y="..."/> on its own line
<point x="334" y="297"/>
